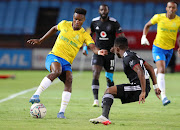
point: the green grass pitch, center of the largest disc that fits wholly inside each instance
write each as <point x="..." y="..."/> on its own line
<point x="14" y="113"/>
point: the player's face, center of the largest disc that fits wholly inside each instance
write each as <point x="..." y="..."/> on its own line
<point x="117" y="51"/>
<point x="103" y="11"/>
<point x="78" y="20"/>
<point x="171" y="8"/>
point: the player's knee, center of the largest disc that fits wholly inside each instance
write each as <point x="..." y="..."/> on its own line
<point x="161" y="70"/>
<point x="56" y="73"/>
<point x="108" y="90"/>
<point x="96" y="74"/>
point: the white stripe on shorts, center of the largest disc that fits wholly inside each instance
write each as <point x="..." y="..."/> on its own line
<point x="132" y="88"/>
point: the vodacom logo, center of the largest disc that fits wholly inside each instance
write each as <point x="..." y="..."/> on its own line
<point x="103" y="34"/>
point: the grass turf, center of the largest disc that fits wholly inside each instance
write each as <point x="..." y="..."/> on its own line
<point x="14" y="113"/>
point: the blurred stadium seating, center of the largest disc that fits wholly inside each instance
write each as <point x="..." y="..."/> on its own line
<point x="20" y="16"/>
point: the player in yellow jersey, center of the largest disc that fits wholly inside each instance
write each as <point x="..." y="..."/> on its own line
<point x="59" y="60"/>
<point x="168" y="25"/>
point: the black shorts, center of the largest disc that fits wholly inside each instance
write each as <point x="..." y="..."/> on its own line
<point x="130" y="92"/>
<point x="107" y="61"/>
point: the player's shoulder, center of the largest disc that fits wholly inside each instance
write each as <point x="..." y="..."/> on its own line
<point x="96" y="19"/>
<point x="161" y="15"/>
<point x="65" y="22"/>
<point x="129" y="54"/>
<point x="178" y="17"/>
<point x="112" y="19"/>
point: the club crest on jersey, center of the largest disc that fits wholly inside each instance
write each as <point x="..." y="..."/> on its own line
<point x="103" y="35"/>
<point x="76" y="37"/>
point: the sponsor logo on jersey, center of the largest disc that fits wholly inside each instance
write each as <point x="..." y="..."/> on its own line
<point x="103" y="35"/>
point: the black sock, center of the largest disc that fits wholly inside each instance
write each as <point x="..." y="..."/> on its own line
<point x="109" y="82"/>
<point x="107" y="102"/>
<point x="95" y="88"/>
<point x="95" y="93"/>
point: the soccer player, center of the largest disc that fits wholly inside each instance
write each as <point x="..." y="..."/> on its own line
<point x="59" y="60"/>
<point x="137" y="71"/>
<point x="106" y="29"/>
<point x="168" y="25"/>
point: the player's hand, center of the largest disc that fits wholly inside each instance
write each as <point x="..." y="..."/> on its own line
<point x="112" y="50"/>
<point x="34" y="41"/>
<point x="144" y="40"/>
<point x="157" y="92"/>
<point x="85" y="51"/>
<point x="142" y="97"/>
<point x="102" y="52"/>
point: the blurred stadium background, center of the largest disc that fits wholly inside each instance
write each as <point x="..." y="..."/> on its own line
<point x="21" y="20"/>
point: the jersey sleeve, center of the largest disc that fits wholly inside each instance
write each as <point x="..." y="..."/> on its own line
<point x="131" y="61"/>
<point x="118" y="28"/>
<point x="59" y="26"/>
<point x="92" y="28"/>
<point x="88" y="39"/>
<point x="155" y="19"/>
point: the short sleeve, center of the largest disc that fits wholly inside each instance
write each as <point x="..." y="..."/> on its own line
<point x="59" y="26"/>
<point x="155" y="19"/>
<point x="92" y="27"/>
<point x="88" y="39"/>
<point x="118" y="28"/>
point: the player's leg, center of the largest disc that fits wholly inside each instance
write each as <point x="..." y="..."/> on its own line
<point x="66" y="95"/>
<point x="107" y="103"/>
<point x="55" y="70"/>
<point x="109" y="66"/>
<point x="97" y="63"/>
<point x="95" y="83"/>
<point x="159" y="56"/>
<point x="46" y="82"/>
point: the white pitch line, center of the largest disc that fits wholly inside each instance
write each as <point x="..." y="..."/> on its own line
<point x="22" y="92"/>
<point x="31" y="89"/>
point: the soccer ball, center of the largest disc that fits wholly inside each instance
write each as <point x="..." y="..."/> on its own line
<point x="38" y="110"/>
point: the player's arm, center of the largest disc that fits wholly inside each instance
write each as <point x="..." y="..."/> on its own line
<point x="144" y="40"/>
<point x="97" y="50"/>
<point x="51" y="32"/>
<point x="150" y="70"/>
<point x="179" y="48"/>
<point x="137" y="68"/>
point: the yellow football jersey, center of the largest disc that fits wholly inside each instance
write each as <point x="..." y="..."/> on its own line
<point x="69" y="41"/>
<point x="167" y="30"/>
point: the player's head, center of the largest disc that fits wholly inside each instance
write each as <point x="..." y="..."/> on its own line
<point x="120" y="45"/>
<point x="103" y="11"/>
<point x="171" y="7"/>
<point x="78" y="18"/>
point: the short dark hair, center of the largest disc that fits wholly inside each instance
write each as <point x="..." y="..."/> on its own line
<point x="80" y="11"/>
<point x="121" y="42"/>
<point x="104" y="5"/>
<point x="172" y="1"/>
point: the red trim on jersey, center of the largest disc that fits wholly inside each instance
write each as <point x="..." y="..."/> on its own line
<point x="135" y="65"/>
<point x="117" y="34"/>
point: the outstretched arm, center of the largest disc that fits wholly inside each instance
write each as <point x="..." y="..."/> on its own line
<point x="97" y="50"/>
<point x="51" y="32"/>
<point x="153" y="77"/>
<point x="137" y="68"/>
<point x="144" y="40"/>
